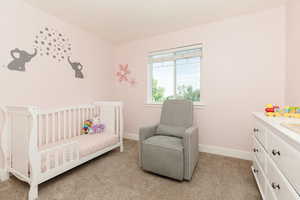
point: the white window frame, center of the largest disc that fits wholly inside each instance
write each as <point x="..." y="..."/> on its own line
<point x="149" y="101"/>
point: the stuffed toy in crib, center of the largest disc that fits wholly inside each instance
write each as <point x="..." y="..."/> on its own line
<point x="93" y="126"/>
<point x="87" y="127"/>
<point x="98" y="127"/>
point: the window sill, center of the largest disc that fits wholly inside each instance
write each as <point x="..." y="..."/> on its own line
<point x="197" y="105"/>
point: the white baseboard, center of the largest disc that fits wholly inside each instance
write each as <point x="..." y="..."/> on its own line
<point x="3" y="175"/>
<point x="131" y="136"/>
<point x="245" y="155"/>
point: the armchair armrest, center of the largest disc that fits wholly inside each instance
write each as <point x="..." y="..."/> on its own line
<point x="144" y="133"/>
<point x="191" y="151"/>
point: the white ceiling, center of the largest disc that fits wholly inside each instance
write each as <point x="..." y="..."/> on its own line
<point x="124" y="20"/>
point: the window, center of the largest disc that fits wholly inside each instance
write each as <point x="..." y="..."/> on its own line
<point x="175" y="74"/>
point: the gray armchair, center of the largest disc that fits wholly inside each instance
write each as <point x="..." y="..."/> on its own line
<point x="171" y="148"/>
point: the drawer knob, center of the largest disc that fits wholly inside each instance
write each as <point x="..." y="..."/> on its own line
<point x="255" y="130"/>
<point x="275" y="186"/>
<point x="275" y="152"/>
<point x="255" y="171"/>
<point x="255" y="150"/>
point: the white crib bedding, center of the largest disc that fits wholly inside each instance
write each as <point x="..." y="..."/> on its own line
<point x="88" y="144"/>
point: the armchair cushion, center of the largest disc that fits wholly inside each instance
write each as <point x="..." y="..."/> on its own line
<point x="172" y="143"/>
<point x="176" y="131"/>
<point x="163" y="155"/>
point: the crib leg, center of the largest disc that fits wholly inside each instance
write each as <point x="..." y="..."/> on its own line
<point x="121" y="147"/>
<point x="33" y="192"/>
<point x="4" y="175"/>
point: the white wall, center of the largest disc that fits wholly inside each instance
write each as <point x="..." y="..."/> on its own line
<point x="242" y="70"/>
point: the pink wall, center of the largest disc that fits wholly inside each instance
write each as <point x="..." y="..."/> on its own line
<point x="46" y="82"/>
<point x="242" y="70"/>
<point x="293" y="46"/>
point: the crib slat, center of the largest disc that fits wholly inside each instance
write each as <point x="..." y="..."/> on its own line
<point x="74" y="123"/>
<point x="79" y="121"/>
<point x="65" y="124"/>
<point x="48" y="161"/>
<point x="75" y="153"/>
<point x="117" y="120"/>
<point x="53" y="127"/>
<point x="70" y="124"/>
<point x="58" y="125"/>
<point x="84" y="114"/>
<point x="63" y="156"/>
<point x="47" y="128"/>
<point x="40" y="130"/>
<point x="56" y="153"/>
<point x="87" y="113"/>
<point x="67" y="154"/>
<point x="94" y="112"/>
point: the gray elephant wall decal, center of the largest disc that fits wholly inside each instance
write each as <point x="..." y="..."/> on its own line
<point x="77" y="67"/>
<point x="20" y="58"/>
<point x="48" y="43"/>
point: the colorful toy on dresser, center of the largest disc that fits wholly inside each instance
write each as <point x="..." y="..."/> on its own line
<point x="92" y="126"/>
<point x="287" y="111"/>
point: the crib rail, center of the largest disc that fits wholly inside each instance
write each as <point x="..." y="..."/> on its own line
<point x="57" y="158"/>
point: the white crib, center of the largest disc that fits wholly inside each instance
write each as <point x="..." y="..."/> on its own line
<point x="41" y="144"/>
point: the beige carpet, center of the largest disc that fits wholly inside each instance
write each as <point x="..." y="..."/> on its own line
<point x="116" y="176"/>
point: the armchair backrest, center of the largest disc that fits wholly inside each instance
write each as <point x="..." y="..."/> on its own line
<point x="177" y="113"/>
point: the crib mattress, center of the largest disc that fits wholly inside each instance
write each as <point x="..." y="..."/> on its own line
<point x="88" y="144"/>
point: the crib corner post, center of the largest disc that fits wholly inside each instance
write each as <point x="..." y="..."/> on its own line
<point x="121" y="146"/>
<point x="34" y="156"/>
<point x="121" y="127"/>
<point x="4" y="175"/>
<point x="33" y="192"/>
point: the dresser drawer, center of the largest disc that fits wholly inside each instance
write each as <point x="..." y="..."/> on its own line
<point x="270" y="194"/>
<point x="287" y="158"/>
<point x="259" y="176"/>
<point x="259" y="132"/>
<point x="280" y="186"/>
<point x="259" y="153"/>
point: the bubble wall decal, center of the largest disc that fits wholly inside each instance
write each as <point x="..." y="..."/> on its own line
<point x="47" y="43"/>
<point x="51" y="43"/>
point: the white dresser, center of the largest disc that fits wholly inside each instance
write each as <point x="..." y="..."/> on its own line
<point x="276" y="162"/>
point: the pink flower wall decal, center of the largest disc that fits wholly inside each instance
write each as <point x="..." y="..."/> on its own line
<point x="123" y="73"/>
